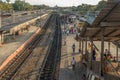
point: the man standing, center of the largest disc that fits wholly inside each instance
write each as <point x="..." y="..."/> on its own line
<point x="73" y="62"/>
<point x="73" y="47"/>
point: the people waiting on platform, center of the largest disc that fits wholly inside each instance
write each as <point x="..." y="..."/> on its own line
<point x="107" y="55"/>
<point x="73" y="62"/>
<point x="86" y="56"/>
<point x="64" y="42"/>
<point x="94" y="54"/>
<point x="114" y="60"/>
<point x="84" y="77"/>
<point x="89" y="47"/>
<point x="79" y="50"/>
<point x="118" y="67"/>
<point x="67" y="32"/>
<point x="73" y="47"/>
<point x="89" y="51"/>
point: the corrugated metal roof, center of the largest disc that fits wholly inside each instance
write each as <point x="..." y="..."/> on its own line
<point x="109" y="20"/>
<point x="111" y="12"/>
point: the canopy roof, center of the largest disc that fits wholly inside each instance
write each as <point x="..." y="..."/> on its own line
<point x="109" y="20"/>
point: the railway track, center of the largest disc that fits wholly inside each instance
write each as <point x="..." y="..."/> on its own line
<point x="9" y="71"/>
<point x="29" y="70"/>
<point x="51" y="63"/>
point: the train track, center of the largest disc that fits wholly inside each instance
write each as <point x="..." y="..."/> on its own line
<point x="51" y="63"/>
<point x="29" y="69"/>
<point x="9" y="71"/>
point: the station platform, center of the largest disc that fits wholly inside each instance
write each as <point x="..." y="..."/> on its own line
<point x="66" y="72"/>
<point x="11" y="45"/>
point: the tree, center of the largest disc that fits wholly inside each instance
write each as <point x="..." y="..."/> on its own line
<point x="36" y="7"/>
<point x="8" y="1"/>
<point x="82" y="9"/>
<point x="100" y="5"/>
<point x="21" y="5"/>
<point x="18" y="5"/>
<point x="5" y="6"/>
<point x="0" y="1"/>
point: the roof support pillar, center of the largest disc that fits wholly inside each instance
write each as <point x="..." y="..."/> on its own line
<point x="86" y="52"/>
<point x="1" y="38"/>
<point x="102" y="51"/>
<point x="13" y="34"/>
<point x="82" y="49"/>
<point x="109" y="46"/>
<point x="91" y="40"/>
<point x="80" y="45"/>
<point x="13" y="17"/>
<point x="86" y="45"/>
<point x="117" y="52"/>
<point x="0" y="20"/>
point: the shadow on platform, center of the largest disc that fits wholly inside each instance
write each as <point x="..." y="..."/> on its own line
<point x="111" y="76"/>
<point x="70" y="55"/>
<point x="67" y="73"/>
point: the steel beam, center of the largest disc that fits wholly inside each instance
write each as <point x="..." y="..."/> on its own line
<point x="110" y="24"/>
<point x="109" y="12"/>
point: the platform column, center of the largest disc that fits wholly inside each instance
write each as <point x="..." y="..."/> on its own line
<point x="80" y="44"/>
<point x="82" y="49"/>
<point x="0" y="21"/>
<point x="13" y="17"/>
<point x="86" y="52"/>
<point x="102" y="51"/>
<point x="117" y="52"/>
<point x="91" y="40"/>
<point x="14" y="34"/>
<point x="86" y="45"/>
<point x="109" y="46"/>
<point x="1" y="38"/>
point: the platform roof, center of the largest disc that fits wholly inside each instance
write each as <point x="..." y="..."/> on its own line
<point x="12" y="25"/>
<point x="109" y="20"/>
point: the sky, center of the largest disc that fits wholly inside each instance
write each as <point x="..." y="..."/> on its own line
<point x="62" y="3"/>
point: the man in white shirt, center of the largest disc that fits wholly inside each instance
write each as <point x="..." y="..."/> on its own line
<point x="73" y="62"/>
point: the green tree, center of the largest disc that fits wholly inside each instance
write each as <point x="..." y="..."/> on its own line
<point x="100" y="5"/>
<point x="18" y="5"/>
<point x="8" y="1"/>
<point x="27" y="6"/>
<point x="5" y="6"/>
<point x="0" y="1"/>
<point x="82" y="9"/>
<point x="36" y="7"/>
<point x="21" y="5"/>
